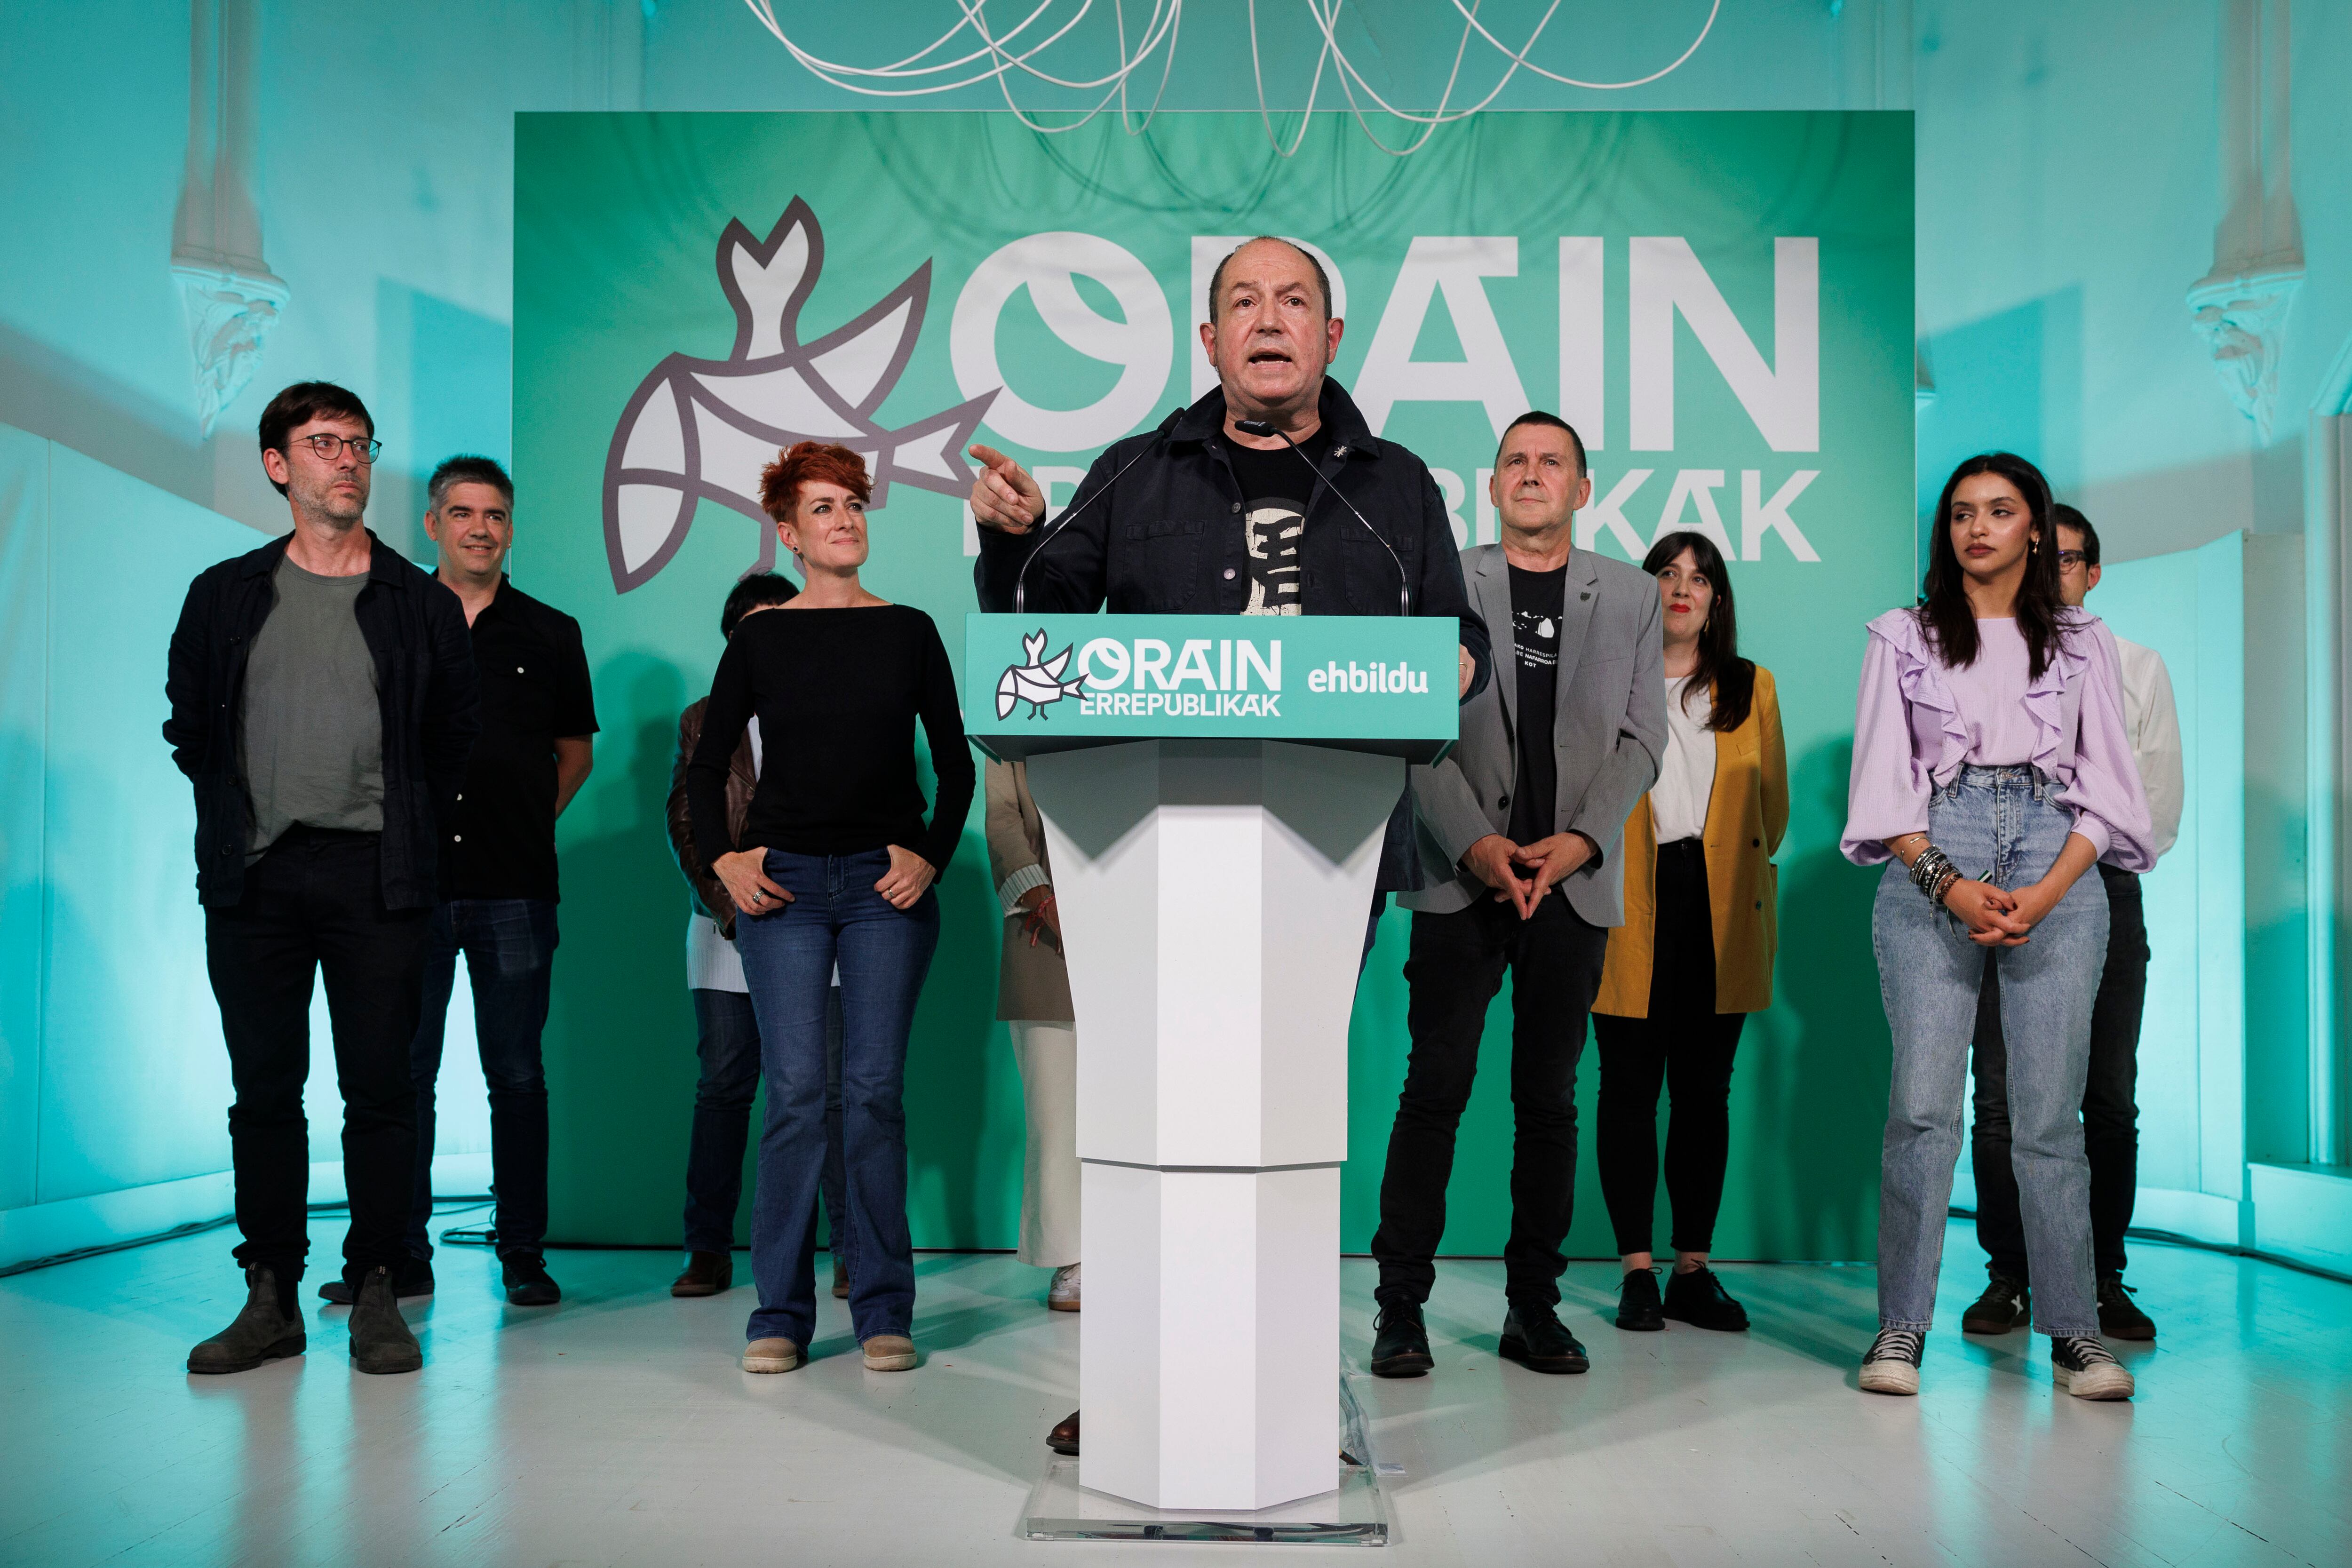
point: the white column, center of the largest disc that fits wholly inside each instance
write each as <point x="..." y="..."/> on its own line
<point x="1215" y="897"/>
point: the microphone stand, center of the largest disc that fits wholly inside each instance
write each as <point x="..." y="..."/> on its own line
<point x="1020" y="579"/>
<point x="1267" y="427"/>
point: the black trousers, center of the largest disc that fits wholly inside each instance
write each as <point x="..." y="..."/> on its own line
<point x="1452" y="970"/>
<point x="510" y="948"/>
<point x="2110" y="1098"/>
<point x="1684" y="1044"/>
<point x="314" y="903"/>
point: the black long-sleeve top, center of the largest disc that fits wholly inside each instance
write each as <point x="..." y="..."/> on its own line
<point x="837" y="693"/>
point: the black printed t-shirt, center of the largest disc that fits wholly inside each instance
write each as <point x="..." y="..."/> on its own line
<point x="1277" y="487"/>
<point x="500" y="841"/>
<point x="1536" y="600"/>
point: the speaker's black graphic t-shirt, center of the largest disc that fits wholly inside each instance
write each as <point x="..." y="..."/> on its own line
<point x="1537" y="599"/>
<point x="1276" y="487"/>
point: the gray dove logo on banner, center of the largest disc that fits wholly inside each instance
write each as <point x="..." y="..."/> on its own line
<point x="702" y="429"/>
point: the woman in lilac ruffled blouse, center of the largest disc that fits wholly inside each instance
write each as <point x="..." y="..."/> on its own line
<point x="1991" y="769"/>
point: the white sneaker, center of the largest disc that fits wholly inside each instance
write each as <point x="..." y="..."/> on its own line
<point x="1062" y="1295"/>
<point x="1891" y="1365"/>
<point x="2088" y="1370"/>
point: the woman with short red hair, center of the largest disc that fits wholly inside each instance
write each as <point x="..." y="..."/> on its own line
<point x="836" y="868"/>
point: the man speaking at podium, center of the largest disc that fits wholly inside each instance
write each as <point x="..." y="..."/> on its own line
<point x="1268" y="497"/>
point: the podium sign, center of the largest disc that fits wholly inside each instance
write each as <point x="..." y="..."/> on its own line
<point x="1380" y="684"/>
<point x="1215" y="792"/>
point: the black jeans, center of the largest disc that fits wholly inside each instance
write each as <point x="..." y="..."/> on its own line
<point x="726" y="1039"/>
<point x="510" y="948"/>
<point x="2110" y="1102"/>
<point x="1686" y="1045"/>
<point x="1453" y="969"/>
<point x="314" y="903"/>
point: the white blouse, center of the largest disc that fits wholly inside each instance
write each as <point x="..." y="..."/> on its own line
<point x="1686" y="774"/>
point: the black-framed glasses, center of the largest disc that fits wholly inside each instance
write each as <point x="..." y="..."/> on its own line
<point x="330" y="447"/>
<point x="2069" y="559"/>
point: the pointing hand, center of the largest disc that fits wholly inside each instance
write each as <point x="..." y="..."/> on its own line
<point x="1004" y="496"/>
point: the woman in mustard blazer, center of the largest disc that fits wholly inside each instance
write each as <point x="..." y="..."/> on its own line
<point x="1695" y="955"/>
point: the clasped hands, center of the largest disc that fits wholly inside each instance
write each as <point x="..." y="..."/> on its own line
<point x="1996" y="916"/>
<point x="744" y="872"/>
<point x="1522" y="874"/>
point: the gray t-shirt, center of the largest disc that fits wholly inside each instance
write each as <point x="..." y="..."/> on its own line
<point x="313" y="734"/>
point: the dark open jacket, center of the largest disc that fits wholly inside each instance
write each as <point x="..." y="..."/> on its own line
<point x="711" y="895"/>
<point x="1170" y="539"/>
<point x="426" y="687"/>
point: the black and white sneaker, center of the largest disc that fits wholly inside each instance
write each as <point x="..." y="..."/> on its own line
<point x="2088" y="1370"/>
<point x="1891" y="1365"/>
<point x="2119" y="1316"/>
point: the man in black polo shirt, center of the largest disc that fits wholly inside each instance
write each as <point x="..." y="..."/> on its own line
<point x="498" y="868"/>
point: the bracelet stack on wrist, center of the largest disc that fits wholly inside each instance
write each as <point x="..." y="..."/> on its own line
<point x="1933" y="874"/>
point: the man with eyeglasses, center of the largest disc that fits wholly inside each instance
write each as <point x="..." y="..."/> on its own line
<point x="323" y="703"/>
<point x="2110" y="1094"/>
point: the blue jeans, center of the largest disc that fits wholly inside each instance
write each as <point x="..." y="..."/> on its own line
<point x="726" y="1039"/>
<point x="836" y="916"/>
<point x="510" y="948"/>
<point x="2006" y="824"/>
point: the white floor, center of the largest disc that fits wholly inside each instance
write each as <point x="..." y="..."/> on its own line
<point x="616" y="1430"/>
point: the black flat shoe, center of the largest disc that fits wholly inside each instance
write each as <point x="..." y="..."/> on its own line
<point x="527" y="1282"/>
<point x="1064" y="1439"/>
<point x="2119" y="1316"/>
<point x="1400" y="1344"/>
<point x="412" y="1278"/>
<point x="1699" y="1300"/>
<point x="1638" y="1304"/>
<point x="1534" y="1336"/>
<point x="2006" y="1304"/>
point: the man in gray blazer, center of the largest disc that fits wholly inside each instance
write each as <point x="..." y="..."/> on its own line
<point x="1519" y="831"/>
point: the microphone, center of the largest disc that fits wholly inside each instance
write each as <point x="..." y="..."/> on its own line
<point x="1020" y="579"/>
<point x="1266" y="427"/>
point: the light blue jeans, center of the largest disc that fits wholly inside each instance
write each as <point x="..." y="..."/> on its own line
<point x="2006" y="827"/>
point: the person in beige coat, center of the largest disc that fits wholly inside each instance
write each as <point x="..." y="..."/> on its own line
<point x="1033" y="999"/>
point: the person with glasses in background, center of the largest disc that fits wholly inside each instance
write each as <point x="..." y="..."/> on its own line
<point x="323" y="702"/>
<point x="2110" y="1093"/>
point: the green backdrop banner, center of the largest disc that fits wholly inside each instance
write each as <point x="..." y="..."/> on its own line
<point x="1722" y="303"/>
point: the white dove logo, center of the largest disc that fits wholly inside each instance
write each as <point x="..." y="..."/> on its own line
<point x="701" y="430"/>
<point x="1037" y="682"/>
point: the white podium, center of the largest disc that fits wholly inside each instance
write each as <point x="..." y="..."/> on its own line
<point x="1214" y="890"/>
<point x="1214" y="898"/>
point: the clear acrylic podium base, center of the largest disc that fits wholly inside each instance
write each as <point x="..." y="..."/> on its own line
<point x="1061" y="1507"/>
